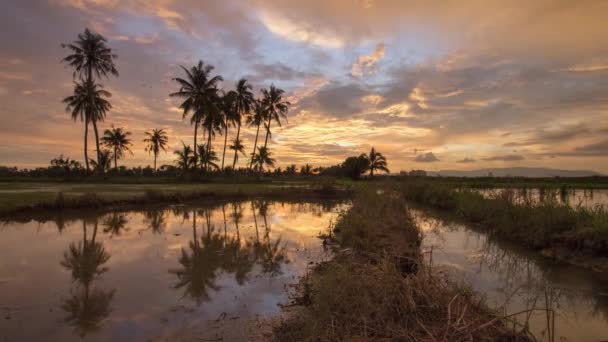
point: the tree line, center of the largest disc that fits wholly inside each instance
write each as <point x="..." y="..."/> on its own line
<point x="211" y="111"/>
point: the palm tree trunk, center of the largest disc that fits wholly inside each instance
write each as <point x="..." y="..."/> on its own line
<point x="86" y="153"/>
<point x="155" y="162"/>
<point x="225" y="141"/>
<point x="97" y="141"/>
<point x="195" y="146"/>
<point x="267" y="132"/>
<point x="238" y="132"/>
<point x="115" y="161"/>
<point x="208" y="149"/>
<point x="371" y="172"/>
<point x="255" y="144"/>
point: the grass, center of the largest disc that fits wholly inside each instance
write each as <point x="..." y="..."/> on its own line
<point x="377" y="288"/>
<point x="547" y="224"/>
<point x="24" y="197"/>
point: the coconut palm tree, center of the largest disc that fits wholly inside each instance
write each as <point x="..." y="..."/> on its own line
<point x="118" y="140"/>
<point x="244" y="103"/>
<point x="105" y="162"/>
<point x="91" y="56"/>
<point x="376" y="162"/>
<point x="208" y="157"/>
<point x="263" y="157"/>
<point x="237" y="147"/>
<point x="185" y="158"/>
<point x="256" y="119"/>
<point x="88" y="101"/>
<point x="228" y="111"/>
<point x="276" y="107"/>
<point x="199" y="92"/>
<point x="213" y="123"/>
<point x="156" y="140"/>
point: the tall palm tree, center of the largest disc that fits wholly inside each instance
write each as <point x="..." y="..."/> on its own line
<point x="228" y="109"/>
<point x="237" y="147"/>
<point x="263" y="157"/>
<point x="276" y="107"/>
<point x="376" y="162"/>
<point x="90" y="55"/>
<point x="185" y="158"/>
<point x="207" y="156"/>
<point x="213" y="123"/>
<point x="88" y="102"/>
<point x="199" y="91"/>
<point x="244" y="103"/>
<point x="256" y="119"/>
<point x="157" y="140"/>
<point x="118" y="140"/>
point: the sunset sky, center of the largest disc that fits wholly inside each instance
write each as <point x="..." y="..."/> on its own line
<point x="431" y="84"/>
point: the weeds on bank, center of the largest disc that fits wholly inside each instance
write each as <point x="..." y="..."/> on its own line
<point x="545" y="223"/>
<point x="376" y="288"/>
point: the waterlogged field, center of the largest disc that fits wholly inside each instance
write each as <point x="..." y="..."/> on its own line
<point x="559" y="302"/>
<point x="587" y="198"/>
<point x="199" y="272"/>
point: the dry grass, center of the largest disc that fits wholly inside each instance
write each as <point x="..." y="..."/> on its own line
<point x="376" y="288"/>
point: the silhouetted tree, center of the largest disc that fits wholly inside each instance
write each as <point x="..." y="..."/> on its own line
<point x="256" y="119"/>
<point x="90" y="55"/>
<point x="208" y="157"/>
<point x="237" y="147"/>
<point x="263" y="157"/>
<point x="376" y="162"/>
<point x="118" y="140"/>
<point x="276" y="107"/>
<point x="156" y="140"/>
<point x="185" y="158"/>
<point x="244" y="102"/>
<point x="87" y="103"/>
<point x="199" y="91"/>
<point x="354" y="167"/>
<point x="228" y="110"/>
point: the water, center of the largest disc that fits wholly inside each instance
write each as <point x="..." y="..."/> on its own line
<point x="513" y="279"/>
<point x="587" y="198"/>
<point x="199" y="272"/>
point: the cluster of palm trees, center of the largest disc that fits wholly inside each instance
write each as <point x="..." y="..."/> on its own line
<point x="214" y="110"/>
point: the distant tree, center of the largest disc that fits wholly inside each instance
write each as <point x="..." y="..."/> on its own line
<point x="263" y="157"/>
<point x="66" y="165"/>
<point x="291" y="169"/>
<point x="185" y="158"/>
<point x="156" y="140"/>
<point x="229" y="116"/>
<point x="306" y="170"/>
<point x="118" y="140"/>
<point x="199" y="92"/>
<point x="91" y="56"/>
<point x="105" y="162"/>
<point x="208" y="157"/>
<point x="244" y="102"/>
<point x="376" y="162"/>
<point x="256" y="118"/>
<point x="237" y="147"/>
<point x="88" y="102"/>
<point x="354" y="167"/>
<point x="276" y="107"/>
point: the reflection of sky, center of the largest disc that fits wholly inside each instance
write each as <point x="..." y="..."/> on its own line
<point x="506" y="274"/>
<point x="33" y="283"/>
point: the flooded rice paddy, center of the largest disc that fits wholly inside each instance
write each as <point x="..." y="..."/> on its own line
<point x="193" y="272"/>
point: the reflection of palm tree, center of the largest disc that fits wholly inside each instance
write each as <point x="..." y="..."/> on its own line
<point x="115" y="224"/>
<point x="272" y="257"/>
<point x="156" y="220"/>
<point x="87" y="307"/>
<point x="197" y="274"/>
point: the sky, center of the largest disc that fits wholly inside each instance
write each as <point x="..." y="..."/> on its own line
<point x="451" y="84"/>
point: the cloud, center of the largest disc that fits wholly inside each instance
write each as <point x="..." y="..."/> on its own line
<point x="509" y="157"/>
<point x="365" y="64"/>
<point x="466" y="160"/>
<point x="428" y="157"/>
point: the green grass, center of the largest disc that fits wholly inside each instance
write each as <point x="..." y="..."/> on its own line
<point x="15" y="196"/>
<point x="544" y="225"/>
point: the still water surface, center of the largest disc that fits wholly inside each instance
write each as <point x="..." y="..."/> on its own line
<point x="153" y="274"/>
<point x="588" y="198"/>
<point x="513" y="279"/>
